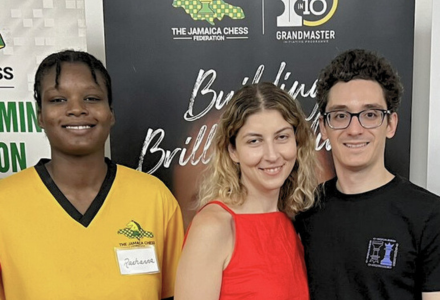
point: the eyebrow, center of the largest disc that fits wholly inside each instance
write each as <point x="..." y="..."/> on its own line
<point x="345" y="107"/>
<point x="252" y="134"/>
<point x="88" y="89"/>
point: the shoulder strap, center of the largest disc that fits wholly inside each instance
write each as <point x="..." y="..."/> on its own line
<point x="222" y="205"/>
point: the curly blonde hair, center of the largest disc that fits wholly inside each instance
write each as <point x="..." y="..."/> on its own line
<point x="222" y="177"/>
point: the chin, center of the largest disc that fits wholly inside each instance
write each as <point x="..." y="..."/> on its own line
<point x="273" y="187"/>
<point x="82" y="151"/>
<point x="355" y="166"/>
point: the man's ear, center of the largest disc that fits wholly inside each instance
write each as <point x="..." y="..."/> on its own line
<point x="393" y="120"/>
<point x="322" y="128"/>
<point x="113" y="117"/>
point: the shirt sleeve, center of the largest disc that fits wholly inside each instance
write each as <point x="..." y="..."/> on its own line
<point x="430" y="251"/>
<point x="172" y="248"/>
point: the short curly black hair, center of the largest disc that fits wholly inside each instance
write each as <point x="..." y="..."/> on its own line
<point x="55" y="60"/>
<point x="360" y="64"/>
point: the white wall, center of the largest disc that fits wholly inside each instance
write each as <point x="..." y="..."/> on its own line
<point x="425" y="141"/>
<point x="425" y="132"/>
<point x="421" y="84"/>
<point x="433" y="172"/>
<point x="95" y="28"/>
<point x="95" y="38"/>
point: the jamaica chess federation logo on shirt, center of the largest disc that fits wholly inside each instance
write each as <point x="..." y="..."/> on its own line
<point x="382" y="253"/>
<point x="209" y="11"/>
<point x="134" y="231"/>
<point x="305" y="17"/>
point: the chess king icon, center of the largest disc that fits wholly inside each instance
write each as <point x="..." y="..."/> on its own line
<point x="386" y="261"/>
<point x="206" y="9"/>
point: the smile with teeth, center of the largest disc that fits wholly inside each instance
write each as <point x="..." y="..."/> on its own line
<point x="271" y="170"/>
<point x="356" y="145"/>
<point x="78" y="127"/>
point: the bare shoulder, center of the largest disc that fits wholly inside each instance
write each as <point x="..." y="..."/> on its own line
<point x="431" y="296"/>
<point x="212" y="222"/>
<point x="207" y="251"/>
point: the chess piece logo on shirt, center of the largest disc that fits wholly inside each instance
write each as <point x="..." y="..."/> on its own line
<point x="382" y="253"/>
<point x="134" y="231"/>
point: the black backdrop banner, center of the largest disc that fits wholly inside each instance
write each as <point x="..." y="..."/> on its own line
<point x="176" y="63"/>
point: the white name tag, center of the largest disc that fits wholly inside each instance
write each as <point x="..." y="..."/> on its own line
<point x="139" y="260"/>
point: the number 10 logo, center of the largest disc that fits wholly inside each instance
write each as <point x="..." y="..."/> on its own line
<point x="306" y="12"/>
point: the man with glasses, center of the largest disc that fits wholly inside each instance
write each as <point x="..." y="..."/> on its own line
<point x="373" y="234"/>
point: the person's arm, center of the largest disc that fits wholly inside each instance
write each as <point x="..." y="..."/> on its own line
<point x="206" y="253"/>
<point x="431" y="296"/>
<point x="430" y="257"/>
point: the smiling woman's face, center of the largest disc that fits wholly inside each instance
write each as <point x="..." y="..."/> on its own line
<point x="75" y="115"/>
<point x="265" y="148"/>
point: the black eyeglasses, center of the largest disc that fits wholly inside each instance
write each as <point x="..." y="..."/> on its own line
<point x="369" y="118"/>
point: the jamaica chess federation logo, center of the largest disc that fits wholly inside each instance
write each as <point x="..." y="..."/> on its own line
<point x="209" y="10"/>
<point x="382" y="253"/>
<point x="2" y="42"/>
<point x="134" y="231"/>
<point x="308" y="13"/>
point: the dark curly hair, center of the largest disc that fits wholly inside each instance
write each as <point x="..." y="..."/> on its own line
<point x="55" y="60"/>
<point x="360" y="64"/>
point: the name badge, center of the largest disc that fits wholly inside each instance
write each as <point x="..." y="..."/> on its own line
<point x="138" y="260"/>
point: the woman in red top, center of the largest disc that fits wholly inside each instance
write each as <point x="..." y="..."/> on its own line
<point x="241" y="244"/>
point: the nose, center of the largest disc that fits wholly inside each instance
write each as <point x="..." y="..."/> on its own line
<point x="271" y="152"/>
<point x="76" y="107"/>
<point x="355" y="126"/>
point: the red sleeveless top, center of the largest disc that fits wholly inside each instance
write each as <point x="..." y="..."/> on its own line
<point x="268" y="259"/>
